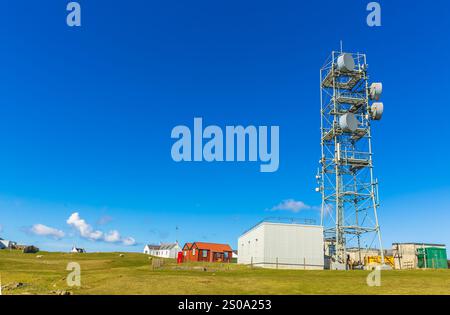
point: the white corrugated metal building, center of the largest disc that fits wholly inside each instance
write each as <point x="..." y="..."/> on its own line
<point x="282" y="245"/>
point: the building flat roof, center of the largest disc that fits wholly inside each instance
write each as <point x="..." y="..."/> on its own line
<point x="284" y="221"/>
<point x="351" y="249"/>
<point x="415" y="243"/>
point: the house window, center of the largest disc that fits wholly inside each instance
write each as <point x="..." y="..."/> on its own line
<point x="225" y="255"/>
<point x="193" y="252"/>
<point x="205" y="253"/>
<point x="185" y="252"/>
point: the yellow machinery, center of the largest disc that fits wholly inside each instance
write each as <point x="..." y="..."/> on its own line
<point x="376" y="260"/>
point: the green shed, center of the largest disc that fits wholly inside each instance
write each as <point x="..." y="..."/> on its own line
<point x="432" y="257"/>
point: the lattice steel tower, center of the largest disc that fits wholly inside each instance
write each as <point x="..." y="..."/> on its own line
<point x="349" y="191"/>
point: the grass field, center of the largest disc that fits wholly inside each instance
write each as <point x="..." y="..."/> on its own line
<point x="108" y="273"/>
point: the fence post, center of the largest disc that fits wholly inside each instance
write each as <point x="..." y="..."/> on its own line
<point x="277" y="262"/>
<point x="304" y="263"/>
<point x="251" y="262"/>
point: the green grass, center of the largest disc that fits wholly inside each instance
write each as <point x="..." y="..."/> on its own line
<point x="107" y="273"/>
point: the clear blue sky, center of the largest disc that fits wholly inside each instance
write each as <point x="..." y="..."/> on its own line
<point x="86" y="115"/>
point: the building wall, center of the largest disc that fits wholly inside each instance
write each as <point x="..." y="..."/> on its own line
<point x="192" y="254"/>
<point x="405" y="255"/>
<point x="251" y="246"/>
<point x="150" y="251"/>
<point x="163" y="253"/>
<point x="283" y="246"/>
<point x="198" y="255"/>
<point x="174" y="252"/>
<point x="168" y="253"/>
<point x="5" y="244"/>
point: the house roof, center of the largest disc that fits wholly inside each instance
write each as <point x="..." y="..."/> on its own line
<point x="168" y="246"/>
<point x="162" y="246"/>
<point x="412" y="243"/>
<point x="309" y="223"/>
<point x="188" y="245"/>
<point x="214" y="247"/>
<point x="151" y="246"/>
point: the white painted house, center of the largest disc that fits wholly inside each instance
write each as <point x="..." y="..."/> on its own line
<point x="282" y="245"/>
<point x="164" y="250"/>
<point x="78" y="250"/>
<point x="5" y="244"/>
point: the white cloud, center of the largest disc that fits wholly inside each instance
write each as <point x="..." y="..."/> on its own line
<point x="88" y="232"/>
<point x="43" y="230"/>
<point x="112" y="236"/>
<point x="128" y="241"/>
<point x="291" y="205"/>
<point x="83" y="228"/>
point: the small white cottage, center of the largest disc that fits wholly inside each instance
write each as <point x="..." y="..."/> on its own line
<point x="78" y="250"/>
<point x="5" y="244"/>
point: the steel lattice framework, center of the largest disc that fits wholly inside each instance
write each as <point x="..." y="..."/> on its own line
<point x="346" y="182"/>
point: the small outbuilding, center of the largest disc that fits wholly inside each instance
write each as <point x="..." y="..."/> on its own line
<point x="208" y="252"/>
<point x="30" y="249"/>
<point x="282" y="245"/>
<point x="419" y="255"/>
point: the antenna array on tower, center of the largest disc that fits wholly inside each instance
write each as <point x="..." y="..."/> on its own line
<point x="345" y="178"/>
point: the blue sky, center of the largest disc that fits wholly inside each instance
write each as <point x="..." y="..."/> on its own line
<point x="86" y="115"/>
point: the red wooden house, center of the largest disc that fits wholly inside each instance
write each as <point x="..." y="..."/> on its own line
<point x="210" y="252"/>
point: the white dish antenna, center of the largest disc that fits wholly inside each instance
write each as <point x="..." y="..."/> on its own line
<point x="348" y="122"/>
<point x="377" y="110"/>
<point x="345" y="62"/>
<point x="375" y="91"/>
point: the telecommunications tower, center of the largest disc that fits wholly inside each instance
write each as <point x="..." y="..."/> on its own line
<point x="345" y="178"/>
